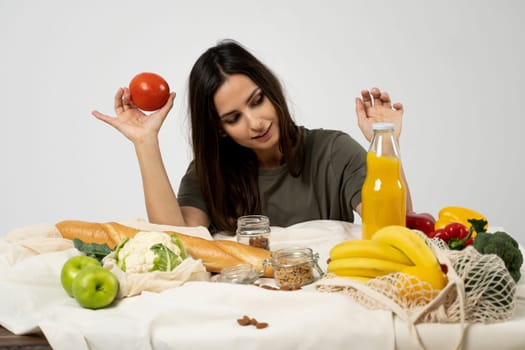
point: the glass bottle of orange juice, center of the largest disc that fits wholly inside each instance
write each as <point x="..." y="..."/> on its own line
<point x="383" y="192"/>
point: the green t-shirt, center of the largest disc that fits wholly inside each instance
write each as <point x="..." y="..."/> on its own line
<point x="329" y="186"/>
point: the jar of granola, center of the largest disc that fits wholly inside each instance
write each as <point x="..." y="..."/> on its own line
<point x="254" y="230"/>
<point x="294" y="267"/>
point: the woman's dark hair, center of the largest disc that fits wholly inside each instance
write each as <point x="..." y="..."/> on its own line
<point x="227" y="172"/>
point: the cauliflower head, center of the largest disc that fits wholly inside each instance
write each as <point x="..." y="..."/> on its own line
<point x="150" y="251"/>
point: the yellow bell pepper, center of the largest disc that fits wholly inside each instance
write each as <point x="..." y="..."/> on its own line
<point x="452" y="214"/>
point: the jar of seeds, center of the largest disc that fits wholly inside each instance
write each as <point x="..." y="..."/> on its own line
<point x="254" y="230"/>
<point x="294" y="267"/>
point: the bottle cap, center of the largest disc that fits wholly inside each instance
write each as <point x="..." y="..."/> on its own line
<point x="383" y="126"/>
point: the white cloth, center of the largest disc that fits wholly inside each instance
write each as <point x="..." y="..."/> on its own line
<point x="131" y="284"/>
<point x="29" y="241"/>
<point x="202" y="315"/>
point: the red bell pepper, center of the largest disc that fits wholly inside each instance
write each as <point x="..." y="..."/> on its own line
<point x="423" y="222"/>
<point x="456" y="235"/>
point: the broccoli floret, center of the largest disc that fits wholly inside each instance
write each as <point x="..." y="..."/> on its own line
<point x="503" y="245"/>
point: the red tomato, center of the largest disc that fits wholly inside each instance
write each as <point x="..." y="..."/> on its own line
<point x="149" y="91"/>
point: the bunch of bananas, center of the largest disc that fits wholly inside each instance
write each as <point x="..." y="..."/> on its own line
<point x="391" y="249"/>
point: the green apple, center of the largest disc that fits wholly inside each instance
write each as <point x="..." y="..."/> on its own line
<point x="95" y="287"/>
<point x="72" y="267"/>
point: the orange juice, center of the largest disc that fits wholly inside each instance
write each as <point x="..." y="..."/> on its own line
<point x="383" y="194"/>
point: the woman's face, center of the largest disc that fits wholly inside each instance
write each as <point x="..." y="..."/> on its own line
<point x="247" y="115"/>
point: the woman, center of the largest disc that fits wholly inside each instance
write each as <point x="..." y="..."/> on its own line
<point x="250" y="157"/>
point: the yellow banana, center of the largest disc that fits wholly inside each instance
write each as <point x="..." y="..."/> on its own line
<point x="409" y="242"/>
<point x="366" y="248"/>
<point x="358" y="278"/>
<point x="365" y="267"/>
<point x="363" y="273"/>
<point x="430" y="274"/>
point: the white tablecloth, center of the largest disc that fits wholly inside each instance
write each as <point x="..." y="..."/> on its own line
<point x="202" y="315"/>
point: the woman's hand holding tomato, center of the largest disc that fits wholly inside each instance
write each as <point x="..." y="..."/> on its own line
<point x="133" y="122"/>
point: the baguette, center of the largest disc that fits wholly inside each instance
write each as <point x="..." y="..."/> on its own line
<point x="110" y="233"/>
<point x="248" y="254"/>
<point x="214" y="254"/>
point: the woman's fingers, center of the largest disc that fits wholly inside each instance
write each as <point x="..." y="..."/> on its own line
<point x="157" y="118"/>
<point x="167" y="106"/>
<point x="123" y="100"/>
<point x="385" y="99"/>
<point x="105" y="118"/>
<point x="131" y="121"/>
<point x="376" y="98"/>
<point x="375" y="105"/>
<point x="397" y="106"/>
<point x="118" y="103"/>
<point x="367" y="99"/>
<point x="127" y="103"/>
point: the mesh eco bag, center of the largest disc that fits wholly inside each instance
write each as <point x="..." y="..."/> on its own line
<point x="479" y="290"/>
<point x="131" y="284"/>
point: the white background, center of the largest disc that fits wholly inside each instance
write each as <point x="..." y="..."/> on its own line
<point x="457" y="66"/>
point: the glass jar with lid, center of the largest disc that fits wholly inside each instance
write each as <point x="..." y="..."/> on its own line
<point x="239" y="274"/>
<point x="294" y="267"/>
<point x="254" y="230"/>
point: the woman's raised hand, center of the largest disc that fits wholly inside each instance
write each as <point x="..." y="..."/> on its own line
<point x="131" y="121"/>
<point x="375" y="106"/>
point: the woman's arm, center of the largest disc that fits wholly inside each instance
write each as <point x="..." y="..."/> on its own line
<point x="161" y="203"/>
<point x="142" y="130"/>
<point x="375" y="106"/>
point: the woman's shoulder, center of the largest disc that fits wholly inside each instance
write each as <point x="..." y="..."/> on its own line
<point x="323" y="136"/>
<point x="334" y="144"/>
